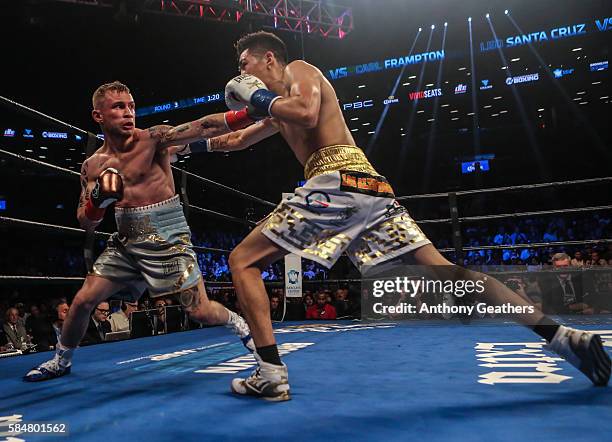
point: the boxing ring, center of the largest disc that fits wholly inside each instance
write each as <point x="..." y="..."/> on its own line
<point x="350" y="380"/>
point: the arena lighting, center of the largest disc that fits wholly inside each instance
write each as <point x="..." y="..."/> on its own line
<point x="474" y="113"/>
<point x="431" y="142"/>
<point x="506" y="12"/>
<point x="398" y="80"/>
<point x="405" y="145"/>
<point x="487" y="15"/>
<point x="433" y="26"/>
<point x="533" y="144"/>
<point x="445" y="23"/>
<point x="333" y="20"/>
<point x="578" y="113"/>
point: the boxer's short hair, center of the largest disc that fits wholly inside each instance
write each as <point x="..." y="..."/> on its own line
<point x="100" y="93"/>
<point x="261" y="42"/>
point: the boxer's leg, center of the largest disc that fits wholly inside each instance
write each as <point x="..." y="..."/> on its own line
<point x="95" y="289"/>
<point x="204" y="311"/>
<point x="582" y="349"/>
<point x="270" y="379"/>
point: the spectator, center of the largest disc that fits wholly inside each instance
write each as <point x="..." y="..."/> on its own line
<point x="341" y="302"/>
<point x="563" y="292"/>
<point x="23" y="315"/>
<point x="321" y="310"/>
<point x="98" y="325"/>
<point x="15" y="330"/>
<point x="276" y="312"/>
<point x="120" y="321"/>
<point x="596" y="260"/>
<point x="501" y="237"/>
<point x="309" y="272"/>
<point x="308" y="300"/>
<point x="3" y="340"/>
<point x="577" y="260"/>
<point x="160" y="305"/>
<point x="39" y="326"/>
<point x="61" y="313"/>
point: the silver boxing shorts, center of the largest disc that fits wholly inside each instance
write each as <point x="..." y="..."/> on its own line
<point x="152" y="249"/>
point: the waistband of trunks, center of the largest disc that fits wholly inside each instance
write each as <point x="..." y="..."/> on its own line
<point x="135" y="222"/>
<point x="330" y="159"/>
<point x="175" y="201"/>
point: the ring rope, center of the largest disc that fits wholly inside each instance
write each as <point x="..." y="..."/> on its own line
<point x="210" y="249"/>
<point x="64" y="279"/>
<point x="228" y="189"/>
<point x="541" y="212"/>
<point x="60" y="122"/>
<point x="531" y="245"/>
<point x="40" y="114"/>
<point x="222" y="215"/>
<point x="503" y="189"/>
<point x="514" y="215"/>
<point x="52" y="166"/>
<point x="37" y="162"/>
<point x="8" y="220"/>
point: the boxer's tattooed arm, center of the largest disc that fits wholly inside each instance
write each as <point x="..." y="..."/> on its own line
<point x="206" y="127"/>
<point x="84" y="191"/>
<point x="241" y="139"/>
<point x="219" y="143"/>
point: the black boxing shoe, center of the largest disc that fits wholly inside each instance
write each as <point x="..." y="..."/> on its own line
<point x="584" y="351"/>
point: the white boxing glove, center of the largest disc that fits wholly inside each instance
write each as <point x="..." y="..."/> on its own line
<point x="249" y="91"/>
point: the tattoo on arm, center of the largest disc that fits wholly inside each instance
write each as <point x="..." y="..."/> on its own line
<point x="171" y="134"/>
<point x="217" y="142"/>
<point x="84" y="192"/>
<point x="190" y="299"/>
<point x="166" y="134"/>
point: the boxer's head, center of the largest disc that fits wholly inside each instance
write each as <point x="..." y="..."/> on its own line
<point x="262" y="54"/>
<point x="114" y="109"/>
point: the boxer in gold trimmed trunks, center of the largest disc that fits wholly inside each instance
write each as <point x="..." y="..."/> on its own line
<point x="344" y="206"/>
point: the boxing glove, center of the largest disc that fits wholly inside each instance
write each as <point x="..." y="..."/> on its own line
<point x="107" y="190"/>
<point x="250" y="91"/>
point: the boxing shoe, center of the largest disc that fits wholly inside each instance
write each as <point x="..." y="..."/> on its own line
<point x="268" y="381"/>
<point x="47" y="370"/>
<point x="584" y="351"/>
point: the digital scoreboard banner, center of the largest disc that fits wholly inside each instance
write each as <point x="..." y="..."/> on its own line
<point x="180" y="104"/>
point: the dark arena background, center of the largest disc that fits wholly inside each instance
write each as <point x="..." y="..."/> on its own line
<point x="492" y="122"/>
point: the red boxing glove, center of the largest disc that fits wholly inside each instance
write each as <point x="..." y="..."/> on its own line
<point x="93" y="213"/>
<point x="236" y="120"/>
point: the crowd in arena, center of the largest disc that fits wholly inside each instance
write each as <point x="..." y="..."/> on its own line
<point x="31" y="322"/>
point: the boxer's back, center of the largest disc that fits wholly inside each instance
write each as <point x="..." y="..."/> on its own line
<point x="331" y="128"/>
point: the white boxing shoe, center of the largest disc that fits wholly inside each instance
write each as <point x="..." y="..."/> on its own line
<point x="584" y="351"/>
<point x="268" y="381"/>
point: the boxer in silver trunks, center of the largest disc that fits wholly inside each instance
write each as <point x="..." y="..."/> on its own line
<point x="152" y="248"/>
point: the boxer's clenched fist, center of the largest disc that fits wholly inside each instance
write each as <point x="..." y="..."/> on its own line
<point x="249" y="91"/>
<point x="107" y="190"/>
